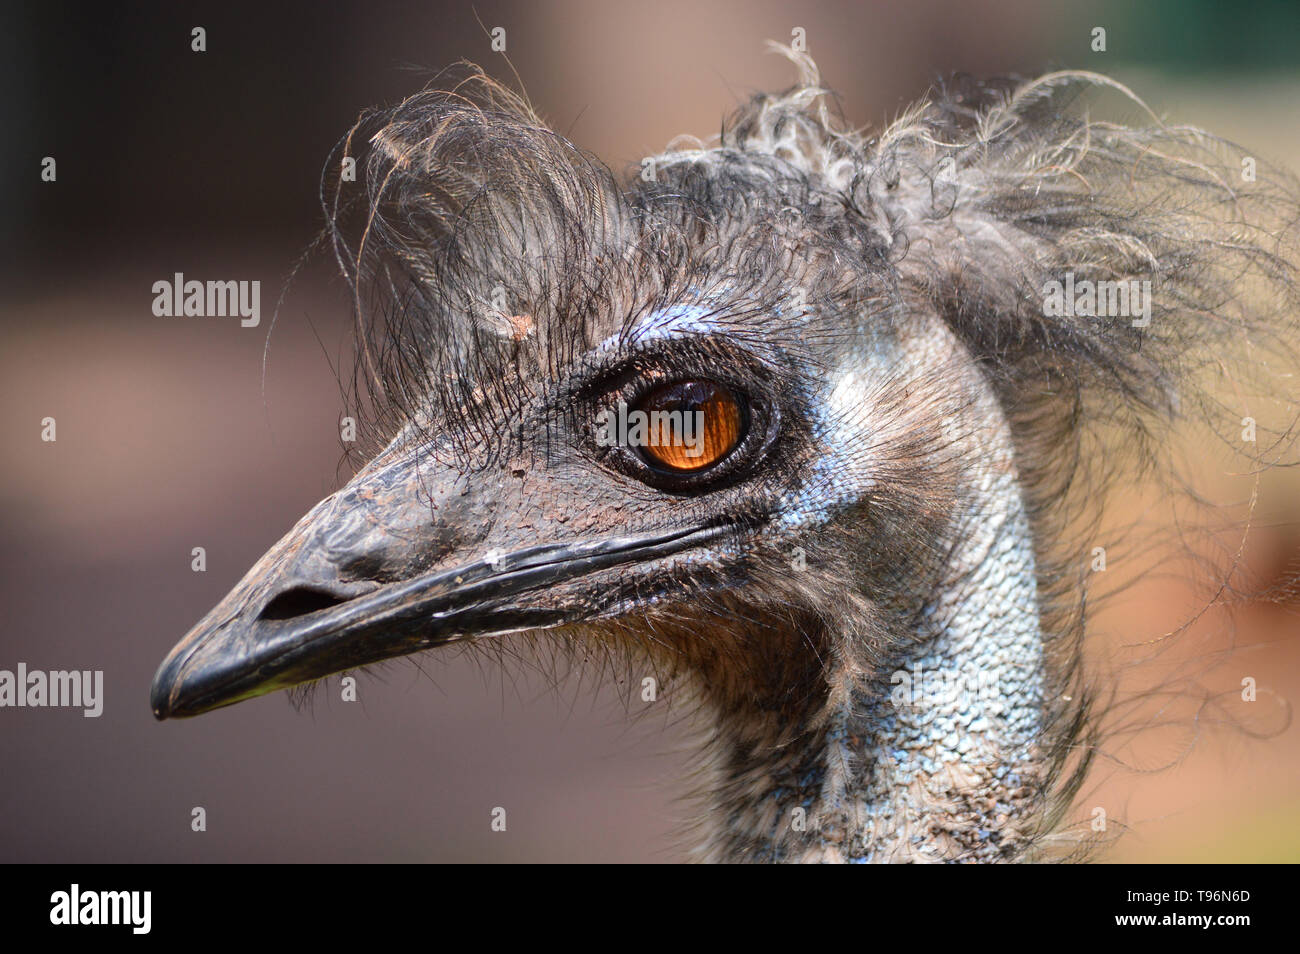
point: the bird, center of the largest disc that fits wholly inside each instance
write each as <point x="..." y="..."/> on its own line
<point x="801" y="420"/>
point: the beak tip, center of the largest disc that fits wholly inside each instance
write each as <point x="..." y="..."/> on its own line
<point x="158" y="700"/>
<point x="165" y="680"/>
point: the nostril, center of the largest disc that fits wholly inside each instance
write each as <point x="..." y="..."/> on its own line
<point x="299" y="601"/>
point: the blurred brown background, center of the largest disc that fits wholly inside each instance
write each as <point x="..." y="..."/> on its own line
<point x="169" y="438"/>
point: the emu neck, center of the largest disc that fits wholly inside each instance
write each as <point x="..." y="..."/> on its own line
<point x="948" y="767"/>
<point x="933" y="756"/>
<point x="930" y="748"/>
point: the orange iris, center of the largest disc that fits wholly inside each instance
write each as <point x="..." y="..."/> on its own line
<point x="692" y="424"/>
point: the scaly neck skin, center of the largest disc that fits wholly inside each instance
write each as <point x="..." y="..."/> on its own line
<point x="934" y="755"/>
<point x="953" y="760"/>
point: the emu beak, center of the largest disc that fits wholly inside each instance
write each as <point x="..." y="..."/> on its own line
<point x="374" y="572"/>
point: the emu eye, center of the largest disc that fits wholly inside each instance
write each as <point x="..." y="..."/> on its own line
<point x="690" y="425"/>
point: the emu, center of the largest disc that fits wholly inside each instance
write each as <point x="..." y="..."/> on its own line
<point x="871" y="579"/>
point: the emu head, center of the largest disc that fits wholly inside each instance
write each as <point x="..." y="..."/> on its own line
<point x="877" y="411"/>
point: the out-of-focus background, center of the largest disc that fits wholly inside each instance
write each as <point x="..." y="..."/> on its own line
<point x="171" y="437"/>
